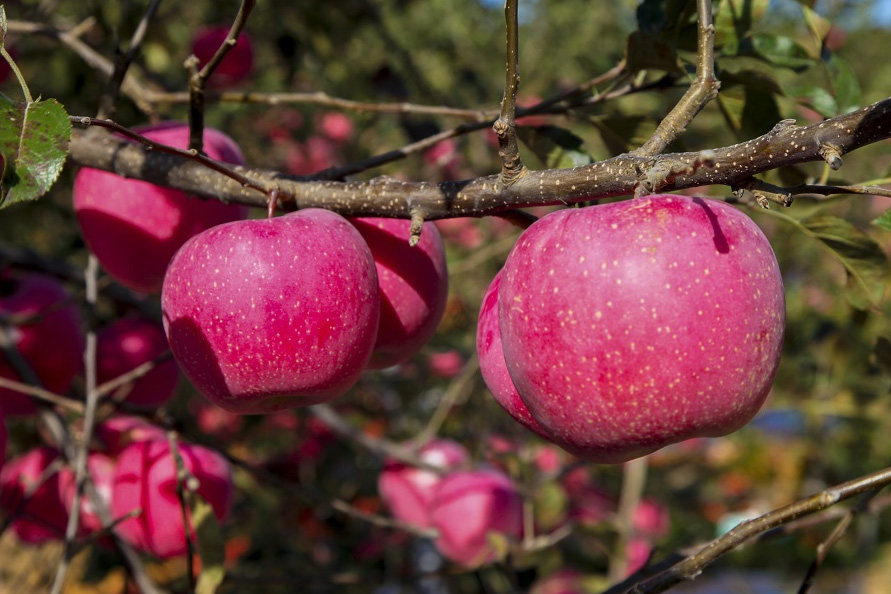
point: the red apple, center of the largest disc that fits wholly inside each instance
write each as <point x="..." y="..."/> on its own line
<point x="413" y="282"/>
<point x="31" y="493"/>
<point x="126" y="344"/>
<point x="116" y="433"/>
<point x="145" y="478"/>
<point x="134" y="227"/>
<point x="408" y="490"/>
<point x="630" y="326"/>
<point x="270" y="314"/>
<point x="45" y="326"/>
<point x="235" y="67"/>
<point x="336" y="126"/>
<point x="2" y="439"/>
<point x="469" y="508"/>
<point x="651" y="520"/>
<point x="492" y="365"/>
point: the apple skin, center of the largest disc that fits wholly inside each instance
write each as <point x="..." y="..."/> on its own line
<point x="145" y="477"/>
<point x="630" y="326"/>
<point x="408" y="491"/>
<point x="101" y="469"/>
<point x="134" y="227"/>
<point x="51" y="344"/>
<point x="43" y="517"/>
<point x="238" y="64"/>
<point x="467" y="507"/>
<point x="270" y="314"/>
<point x="414" y="285"/>
<point x="3" y="438"/>
<point x="117" y="432"/>
<point x="492" y="366"/>
<point x="126" y="344"/>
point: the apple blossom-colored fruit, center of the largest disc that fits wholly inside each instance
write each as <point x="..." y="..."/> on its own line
<point x="336" y="126"/>
<point x="650" y="519"/>
<point x="124" y="345"/>
<point x="471" y="507"/>
<point x="101" y="470"/>
<point x="408" y="490"/>
<point x="44" y="323"/>
<point x="633" y="325"/>
<point x="134" y="227"/>
<point x="238" y="63"/>
<point x="445" y="364"/>
<point x="277" y="313"/>
<point x="116" y="433"/>
<point x="414" y="284"/>
<point x="29" y="489"/>
<point x="145" y="478"/>
<point x="492" y="366"/>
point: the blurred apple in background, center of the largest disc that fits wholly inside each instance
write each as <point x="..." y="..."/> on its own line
<point x="238" y="64"/>
<point x="43" y="320"/>
<point x="29" y="491"/>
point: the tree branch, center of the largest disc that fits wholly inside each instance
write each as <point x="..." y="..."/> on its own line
<point x="388" y="197"/>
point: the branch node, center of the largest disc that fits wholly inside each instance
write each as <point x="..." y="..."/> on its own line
<point x="780" y="127"/>
<point x="417" y="223"/>
<point x="831" y="154"/>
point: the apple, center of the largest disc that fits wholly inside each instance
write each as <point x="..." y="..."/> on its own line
<point x="124" y="345"/>
<point x="46" y="330"/>
<point x="2" y="440"/>
<point x="492" y="366"/>
<point x="650" y="519"/>
<point x="633" y="325"/>
<point x="336" y="126"/>
<point x="236" y="67"/>
<point x="269" y="314"/>
<point x="414" y="285"/>
<point x="471" y="507"/>
<point x="145" y="478"/>
<point x="33" y="499"/>
<point x="116" y="433"/>
<point x="134" y="227"/>
<point x="408" y="490"/>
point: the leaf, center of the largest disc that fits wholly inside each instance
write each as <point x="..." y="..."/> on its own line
<point x="645" y="51"/>
<point x="781" y="51"/>
<point x="3" y="26"/>
<point x="34" y="141"/>
<point x="817" y="98"/>
<point x="211" y="546"/>
<point x="881" y="353"/>
<point x="734" y="19"/>
<point x="759" y="113"/>
<point x="818" y="25"/>
<point x="742" y="72"/>
<point x="619" y="133"/>
<point x="884" y="220"/>
<point x="864" y="261"/>
<point x="555" y="147"/>
<point x="845" y="86"/>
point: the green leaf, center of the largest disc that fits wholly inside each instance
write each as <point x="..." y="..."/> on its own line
<point x="865" y="263"/>
<point x="845" y="86"/>
<point x="817" y="98"/>
<point x="884" y="220"/>
<point x="211" y="545"/>
<point x="645" y="51"/>
<point x="3" y="25"/>
<point x="749" y="72"/>
<point x="34" y="141"/>
<point x="781" y="51"/>
<point x="881" y="353"/>
<point x="620" y="133"/>
<point x="734" y="19"/>
<point x="555" y="147"/>
<point x="818" y="25"/>
<point x="759" y="113"/>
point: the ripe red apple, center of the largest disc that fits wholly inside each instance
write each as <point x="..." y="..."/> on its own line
<point x="407" y="490"/>
<point x="45" y="325"/>
<point x="145" y="478"/>
<point x="2" y="439"/>
<point x="235" y="67"/>
<point x="469" y="507"/>
<point x="116" y="433"/>
<point x="134" y="227"/>
<point x="492" y="366"/>
<point x="336" y="126"/>
<point x="42" y="516"/>
<point x="270" y="314"/>
<point x="414" y="284"/>
<point x="633" y="325"/>
<point x="127" y="343"/>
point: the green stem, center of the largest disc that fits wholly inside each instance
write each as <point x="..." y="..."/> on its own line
<point x="18" y="74"/>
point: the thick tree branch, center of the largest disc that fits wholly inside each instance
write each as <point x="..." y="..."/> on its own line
<point x="388" y="197"/>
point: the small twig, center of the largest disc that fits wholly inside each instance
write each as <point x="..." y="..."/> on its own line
<point x="634" y="479"/>
<point x="505" y="126"/>
<point x="704" y="88"/>
<point x="42" y="394"/>
<point x="122" y="64"/>
<point x="184" y="481"/>
<point x="458" y="389"/>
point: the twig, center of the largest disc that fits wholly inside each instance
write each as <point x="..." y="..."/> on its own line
<point x="692" y="566"/>
<point x="704" y="88"/>
<point x="634" y="479"/>
<point x="505" y="126"/>
<point x="458" y="389"/>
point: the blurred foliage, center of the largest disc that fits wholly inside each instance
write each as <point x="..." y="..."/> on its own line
<point x="830" y="412"/>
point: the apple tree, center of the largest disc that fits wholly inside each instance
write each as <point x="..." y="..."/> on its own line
<point x="326" y="297"/>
